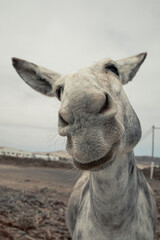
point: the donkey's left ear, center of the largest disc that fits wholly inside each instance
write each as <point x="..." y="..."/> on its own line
<point x="39" y="78"/>
<point x="128" y="67"/>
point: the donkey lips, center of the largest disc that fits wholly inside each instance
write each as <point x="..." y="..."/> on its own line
<point x="99" y="162"/>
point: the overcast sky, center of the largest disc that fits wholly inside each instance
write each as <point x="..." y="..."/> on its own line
<point x="65" y="36"/>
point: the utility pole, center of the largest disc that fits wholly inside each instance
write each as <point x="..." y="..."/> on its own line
<point x="152" y="163"/>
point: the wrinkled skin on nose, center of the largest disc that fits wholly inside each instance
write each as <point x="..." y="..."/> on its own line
<point x="84" y="102"/>
<point x="88" y="101"/>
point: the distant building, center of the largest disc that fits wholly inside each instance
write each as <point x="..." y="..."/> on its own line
<point x="47" y="157"/>
<point x="5" y="151"/>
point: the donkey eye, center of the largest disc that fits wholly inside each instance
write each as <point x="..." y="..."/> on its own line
<point x="112" y="68"/>
<point x="59" y="92"/>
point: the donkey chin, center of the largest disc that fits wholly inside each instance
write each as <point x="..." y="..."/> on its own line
<point x="100" y="163"/>
<point x="96" y="153"/>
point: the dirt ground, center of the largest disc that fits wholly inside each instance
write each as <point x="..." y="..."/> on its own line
<point x="33" y="202"/>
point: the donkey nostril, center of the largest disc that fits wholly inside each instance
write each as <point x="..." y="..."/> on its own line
<point x="105" y="106"/>
<point x="62" y="122"/>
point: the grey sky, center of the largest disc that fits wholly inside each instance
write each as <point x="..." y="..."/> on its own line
<point x="65" y="36"/>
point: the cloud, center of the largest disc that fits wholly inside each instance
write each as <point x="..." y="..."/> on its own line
<point x="65" y="36"/>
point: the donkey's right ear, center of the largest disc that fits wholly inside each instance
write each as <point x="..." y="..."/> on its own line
<point x="39" y="78"/>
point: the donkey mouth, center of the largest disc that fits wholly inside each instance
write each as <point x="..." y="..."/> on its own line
<point x="108" y="158"/>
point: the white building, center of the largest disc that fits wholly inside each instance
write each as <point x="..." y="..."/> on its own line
<point x="5" y="151"/>
<point x="46" y="157"/>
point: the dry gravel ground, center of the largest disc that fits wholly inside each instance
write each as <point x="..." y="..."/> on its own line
<point x="33" y="202"/>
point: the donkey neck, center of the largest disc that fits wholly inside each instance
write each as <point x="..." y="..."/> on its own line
<point x="113" y="190"/>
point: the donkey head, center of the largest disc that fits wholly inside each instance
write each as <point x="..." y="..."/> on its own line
<point x="95" y="114"/>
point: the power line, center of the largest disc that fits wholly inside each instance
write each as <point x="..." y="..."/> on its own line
<point x="146" y="134"/>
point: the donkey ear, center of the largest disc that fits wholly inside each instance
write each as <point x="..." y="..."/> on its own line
<point x="128" y="67"/>
<point x="39" y="78"/>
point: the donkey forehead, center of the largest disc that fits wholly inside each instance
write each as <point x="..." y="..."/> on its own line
<point x="94" y="75"/>
<point x="83" y="77"/>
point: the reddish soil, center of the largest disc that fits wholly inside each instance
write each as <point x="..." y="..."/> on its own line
<point x="33" y="202"/>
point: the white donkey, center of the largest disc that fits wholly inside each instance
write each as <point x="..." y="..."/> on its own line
<point x="111" y="200"/>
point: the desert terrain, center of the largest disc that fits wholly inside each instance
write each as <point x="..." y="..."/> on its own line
<point x="33" y="200"/>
